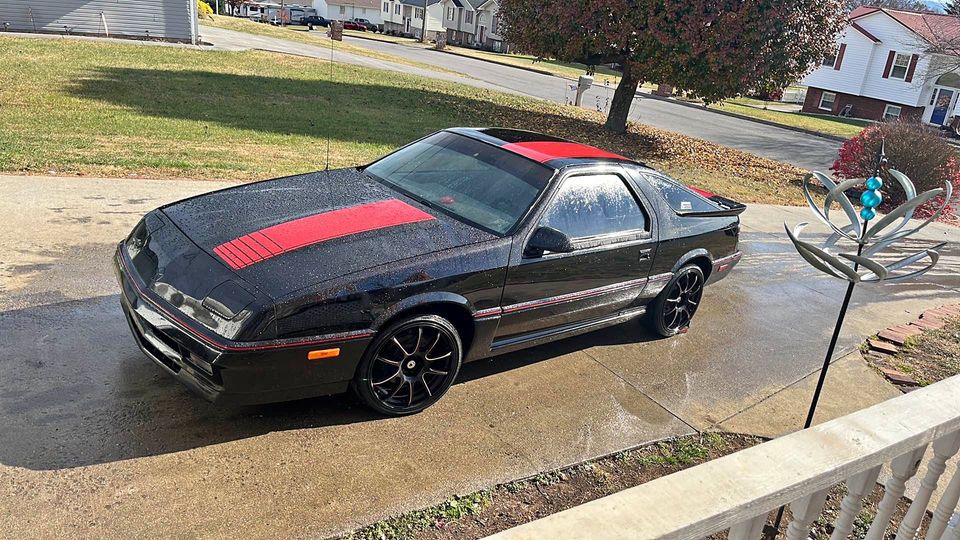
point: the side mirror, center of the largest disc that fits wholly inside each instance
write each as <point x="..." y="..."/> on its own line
<point x="547" y="239"/>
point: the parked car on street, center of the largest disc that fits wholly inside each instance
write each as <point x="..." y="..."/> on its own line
<point x="351" y="25"/>
<point x="366" y="24"/>
<point x="386" y="278"/>
<point x="315" y="20"/>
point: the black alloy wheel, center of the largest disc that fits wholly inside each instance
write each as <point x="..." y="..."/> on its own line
<point x="409" y="366"/>
<point x="679" y="300"/>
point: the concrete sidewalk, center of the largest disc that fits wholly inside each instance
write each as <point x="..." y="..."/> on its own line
<point x="98" y="442"/>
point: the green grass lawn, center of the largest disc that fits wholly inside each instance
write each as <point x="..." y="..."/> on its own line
<point x="828" y="125"/>
<point x="92" y="108"/>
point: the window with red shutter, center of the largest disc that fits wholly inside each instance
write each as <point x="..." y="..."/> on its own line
<point x="886" y="68"/>
<point x="913" y="67"/>
<point x="843" y="48"/>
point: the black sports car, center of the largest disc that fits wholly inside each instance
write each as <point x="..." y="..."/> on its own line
<point x="387" y="277"/>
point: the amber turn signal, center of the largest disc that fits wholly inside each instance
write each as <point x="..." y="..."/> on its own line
<point x="323" y="353"/>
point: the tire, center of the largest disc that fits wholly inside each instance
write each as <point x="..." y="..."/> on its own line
<point x="675" y="306"/>
<point x="409" y="366"/>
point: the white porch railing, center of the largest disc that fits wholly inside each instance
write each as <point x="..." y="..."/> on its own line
<point x="738" y="491"/>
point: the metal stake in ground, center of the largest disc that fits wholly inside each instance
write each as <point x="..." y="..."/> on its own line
<point x="869" y="240"/>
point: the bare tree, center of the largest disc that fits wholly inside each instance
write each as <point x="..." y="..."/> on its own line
<point x="909" y="5"/>
<point x="939" y="37"/>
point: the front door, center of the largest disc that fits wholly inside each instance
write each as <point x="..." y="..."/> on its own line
<point x="613" y="238"/>
<point x="406" y="25"/>
<point x="483" y="30"/>
<point x="941" y="104"/>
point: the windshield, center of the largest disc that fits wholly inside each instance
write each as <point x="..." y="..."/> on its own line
<point x="470" y="180"/>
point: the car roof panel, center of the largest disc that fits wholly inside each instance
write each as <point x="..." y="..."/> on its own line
<point x="546" y="149"/>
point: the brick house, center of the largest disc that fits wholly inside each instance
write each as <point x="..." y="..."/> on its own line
<point x="882" y="69"/>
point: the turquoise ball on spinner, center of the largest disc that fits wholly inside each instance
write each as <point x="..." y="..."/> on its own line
<point x="874" y="182"/>
<point x="867" y="214"/>
<point x="871" y="198"/>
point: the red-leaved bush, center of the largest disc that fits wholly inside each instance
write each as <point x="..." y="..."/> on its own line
<point x="912" y="148"/>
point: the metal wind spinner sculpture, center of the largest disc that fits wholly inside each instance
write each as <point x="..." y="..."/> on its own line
<point x="869" y="239"/>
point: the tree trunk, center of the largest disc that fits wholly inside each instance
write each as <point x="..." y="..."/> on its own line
<point x="622" y="99"/>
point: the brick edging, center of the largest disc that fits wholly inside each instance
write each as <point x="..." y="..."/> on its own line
<point x="889" y="340"/>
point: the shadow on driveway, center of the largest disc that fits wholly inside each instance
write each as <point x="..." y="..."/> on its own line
<point x="76" y="391"/>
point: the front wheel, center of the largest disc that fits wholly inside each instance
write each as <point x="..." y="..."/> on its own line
<point x="678" y="301"/>
<point x="409" y="366"/>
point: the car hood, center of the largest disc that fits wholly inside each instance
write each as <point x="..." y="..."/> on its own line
<point x="288" y="233"/>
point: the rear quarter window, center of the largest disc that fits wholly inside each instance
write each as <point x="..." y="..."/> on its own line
<point x="680" y="198"/>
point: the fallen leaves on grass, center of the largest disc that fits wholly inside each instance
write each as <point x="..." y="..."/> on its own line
<point x="121" y="110"/>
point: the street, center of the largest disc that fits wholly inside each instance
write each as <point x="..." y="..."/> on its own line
<point x="800" y="149"/>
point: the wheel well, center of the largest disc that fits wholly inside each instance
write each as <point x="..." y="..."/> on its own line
<point x="458" y="315"/>
<point x="704" y="263"/>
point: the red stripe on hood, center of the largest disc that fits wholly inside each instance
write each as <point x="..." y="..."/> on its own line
<point x="272" y="241"/>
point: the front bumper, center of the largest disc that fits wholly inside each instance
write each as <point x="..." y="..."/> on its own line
<point x="231" y="372"/>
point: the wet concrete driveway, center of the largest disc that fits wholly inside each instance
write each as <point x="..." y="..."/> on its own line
<point x="96" y="441"/>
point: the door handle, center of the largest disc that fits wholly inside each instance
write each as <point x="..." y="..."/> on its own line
<point x="645" y="254"/>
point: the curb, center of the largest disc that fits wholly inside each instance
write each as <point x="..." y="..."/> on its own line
<point x="750" y="118"/>
<point x="505" y="64"/>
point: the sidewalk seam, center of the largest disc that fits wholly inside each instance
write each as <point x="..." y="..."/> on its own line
<point x="837" y="356"/>
<point x="644" y="394"/>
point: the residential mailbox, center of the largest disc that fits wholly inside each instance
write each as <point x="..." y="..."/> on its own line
<point x="583" y="84"/>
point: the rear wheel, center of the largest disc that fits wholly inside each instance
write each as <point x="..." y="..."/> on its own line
<point x="409" y="366"/>
<point x="678" y="301"/>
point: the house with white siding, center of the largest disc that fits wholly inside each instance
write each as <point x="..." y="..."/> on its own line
<point x="169" y="20"/>
<point x="473" y="23"/>
<point x="345" y="10"/>
<point x="405" y="17"/>
<point x="883" y="68"/>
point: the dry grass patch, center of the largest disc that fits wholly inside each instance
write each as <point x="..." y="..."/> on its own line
<point x="928" y="358"/>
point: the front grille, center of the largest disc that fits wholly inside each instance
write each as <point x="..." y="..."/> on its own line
<point x="136" y="323"/>
<point x="159" y="356"/>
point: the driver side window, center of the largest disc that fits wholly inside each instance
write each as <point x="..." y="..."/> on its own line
<point x="595" y="205"/>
